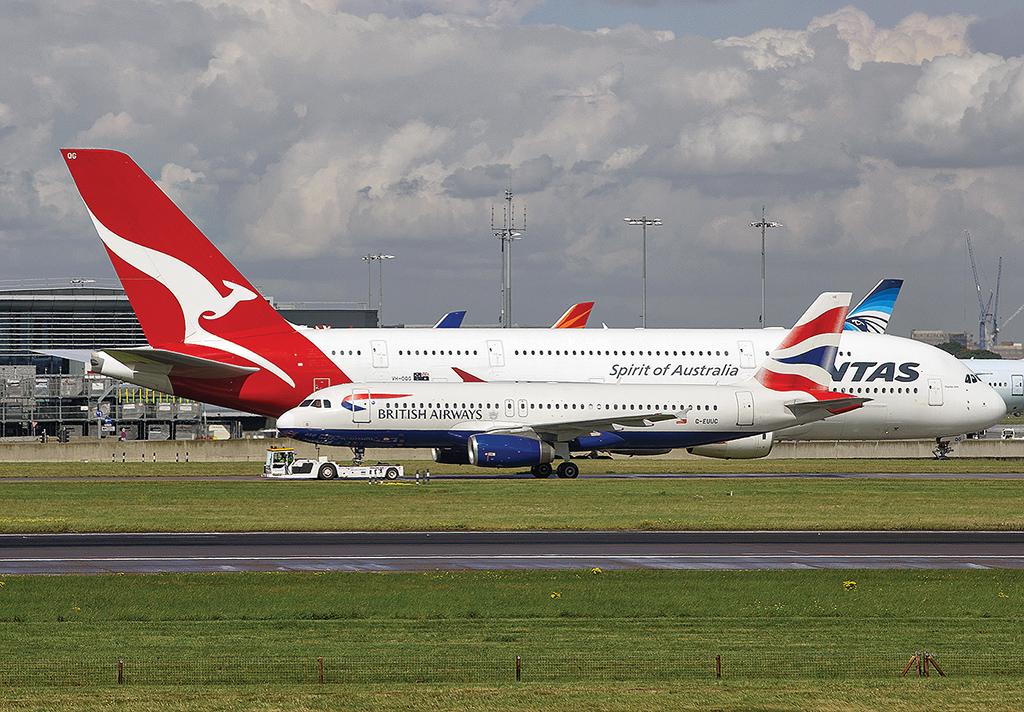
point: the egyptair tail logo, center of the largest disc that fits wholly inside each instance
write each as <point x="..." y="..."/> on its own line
<point x="873" y="313"/>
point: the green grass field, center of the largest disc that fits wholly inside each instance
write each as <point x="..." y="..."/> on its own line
<point x="703" y="503"/>
<point x="610" y="641"/>
<point x="654" y="465"/>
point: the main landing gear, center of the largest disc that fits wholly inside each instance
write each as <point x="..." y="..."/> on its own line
<point x="357" y="456"/>
<point x="942" y="449"/>
<point x="566" y="470"/>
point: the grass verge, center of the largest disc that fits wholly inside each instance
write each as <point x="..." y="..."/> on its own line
<point x="789" y="639"/>
<point x="697" y="504"/>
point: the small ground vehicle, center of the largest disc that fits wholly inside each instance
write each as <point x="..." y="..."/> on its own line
<point x="281" y="463"/>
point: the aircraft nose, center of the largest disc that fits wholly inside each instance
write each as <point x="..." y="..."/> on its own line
<point x="288" y="422"/>
<point x="991" y="407"/>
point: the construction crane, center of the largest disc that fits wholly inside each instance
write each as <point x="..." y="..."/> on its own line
<point x="982" y="309"/>
<point x="995" y="304"/>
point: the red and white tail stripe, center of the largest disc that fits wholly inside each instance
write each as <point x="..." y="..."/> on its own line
<point x="804" y="359"/>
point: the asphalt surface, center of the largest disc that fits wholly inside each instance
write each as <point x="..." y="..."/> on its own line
<point x="419" y="551"/>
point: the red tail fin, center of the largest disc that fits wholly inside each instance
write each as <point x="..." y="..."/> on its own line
<point x="161" y="258"/>
<point x="187" y="296"/>
<point x="575" y="317"/>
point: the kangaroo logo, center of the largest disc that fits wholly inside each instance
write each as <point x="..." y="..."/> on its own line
<point x="199" y="300"/>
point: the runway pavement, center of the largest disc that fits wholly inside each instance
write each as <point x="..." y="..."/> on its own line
<point x="418" y="551"/>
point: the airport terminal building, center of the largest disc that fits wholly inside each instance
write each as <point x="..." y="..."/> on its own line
<point x="41" y="393"/>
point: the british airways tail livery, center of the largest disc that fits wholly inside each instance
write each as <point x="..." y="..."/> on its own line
<point x="190" y="301"/>
<point x="873" y="313"/>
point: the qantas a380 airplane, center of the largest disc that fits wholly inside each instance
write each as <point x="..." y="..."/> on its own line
<point x="530" y="424"/>
<point x="213" y="338"/>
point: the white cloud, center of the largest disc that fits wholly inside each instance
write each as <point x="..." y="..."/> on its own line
<point x="301" y="134"/>
<point x="915" y="39"/>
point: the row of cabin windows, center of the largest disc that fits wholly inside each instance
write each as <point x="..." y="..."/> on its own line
<point x="436" y="352"/>
<point x="880" y="390"/>
<point x="572" y="406"/>
<point x="615" y="352"/>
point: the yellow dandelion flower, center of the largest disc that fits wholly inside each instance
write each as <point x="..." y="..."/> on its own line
<point x="849" y="585"/>
<point x="555" y="595"/>
<point x="596" y="570"/>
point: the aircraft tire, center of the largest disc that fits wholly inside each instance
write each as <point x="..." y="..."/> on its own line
<point x="327" y="472"/>
<point x="391" y="473"/>
<point x="568" y="470"/>
<point x="541" y="471"/>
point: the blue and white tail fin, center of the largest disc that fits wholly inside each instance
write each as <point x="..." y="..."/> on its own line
<point x="875" y="310"/>
<point x="451" y="320"/>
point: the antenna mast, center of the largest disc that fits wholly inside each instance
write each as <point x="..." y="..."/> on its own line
<point x="507" y="233"/>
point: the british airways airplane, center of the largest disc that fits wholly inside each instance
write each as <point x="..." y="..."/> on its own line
<point x="212" y="337"/>
<point x="532" y="424"/>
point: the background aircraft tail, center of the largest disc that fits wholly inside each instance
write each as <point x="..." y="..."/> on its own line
<point x="875" y="310"/>
<point x="575" y="317"/>
<point x="451" y="320"/>
<point x="804" y="359"/>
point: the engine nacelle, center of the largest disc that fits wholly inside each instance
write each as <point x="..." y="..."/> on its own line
<point x="451" y="455"/>
<point x="748" y="448"/>
<point x="508" y="451"/>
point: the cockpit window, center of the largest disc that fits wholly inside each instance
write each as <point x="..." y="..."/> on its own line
<point x="327" y="404"/>
<point x="305" y="403"/>
<point x="971" y="378"/>
<point x="316" y="404"/>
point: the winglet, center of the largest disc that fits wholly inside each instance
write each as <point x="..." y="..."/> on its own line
<point x="875" y="310"/>
<point x="466" y="376"/>
<point x="804" y="359"/>
<point x="451" y="320"/>
<point x="575" y="317"/>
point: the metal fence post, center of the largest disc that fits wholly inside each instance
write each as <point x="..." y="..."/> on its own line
<point x="320" y="669"/>
<point x="519" y="668"/>
<point x="120" y="672"/>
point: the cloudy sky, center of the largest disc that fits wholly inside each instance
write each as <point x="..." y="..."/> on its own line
<point x="299" y="135"/>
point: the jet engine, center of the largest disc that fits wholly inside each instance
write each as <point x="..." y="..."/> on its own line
<point x="508" y="451"/>
<point x="451" y="455"/>
<point x="748" y="448"/>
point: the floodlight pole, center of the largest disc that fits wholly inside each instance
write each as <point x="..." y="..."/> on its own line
<point x="764" y="224"/>
<point x="369" y="259"/>
<point x="643" y="222"/>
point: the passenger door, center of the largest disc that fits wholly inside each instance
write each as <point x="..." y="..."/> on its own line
<point x="744" y="408"/>
<point x="747" y="359"/>
<point x="934" y="391"/>
<point x="1017" y="385"/>
<point x="522" y="409"/>
<point x="359" y="402"/>
<point x="379" y="349"/>
<point x="510" y="408"/>
<point x="495" y="353"/>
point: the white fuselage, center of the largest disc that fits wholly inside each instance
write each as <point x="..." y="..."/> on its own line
<point x="1005" y="376"/>
<point x="917" y="390"/>
<point x="582" y="416"/>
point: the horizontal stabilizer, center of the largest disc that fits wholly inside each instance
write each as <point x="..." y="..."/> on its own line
<point x="163" y="361"/>
<point x="79" y="355"/>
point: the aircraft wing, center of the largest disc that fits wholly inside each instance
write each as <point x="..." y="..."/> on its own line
<point x="163" y="361"/>
<point x="819" y="410"/>
<point x="565" y="430"/>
